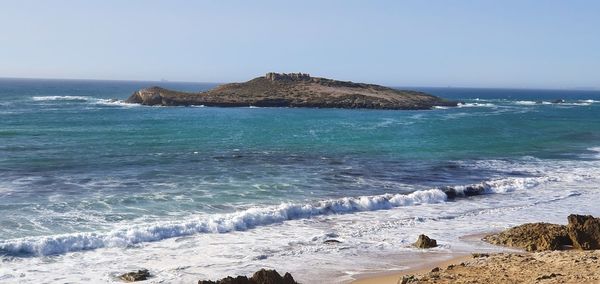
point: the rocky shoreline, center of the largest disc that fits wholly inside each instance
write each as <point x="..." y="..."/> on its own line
<point x="294" y="90"/>
<point x="553" y="254"/>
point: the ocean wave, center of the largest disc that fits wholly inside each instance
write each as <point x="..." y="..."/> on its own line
<point x="222" y="223"/>
<point x="84" y="99"/>
<point x="476" y="105"/>
<point x="114" y="102"/>
<point x="575" y="104"/>
<point x="60" y="98"/>
<point x="255" y="217"/>
<point x="595" y="151"/>
<point x="529" y="103"/>
<point x="571" y="103"/>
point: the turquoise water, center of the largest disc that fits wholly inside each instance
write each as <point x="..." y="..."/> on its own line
<point x="72" y="160"/>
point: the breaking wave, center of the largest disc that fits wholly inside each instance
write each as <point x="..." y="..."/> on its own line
<point x="60" y="98"/>
<point x="531" y="103"/>
<point x="255" y="217"/>
<point x="84" y="99"/>
<point x="476" y="105"/>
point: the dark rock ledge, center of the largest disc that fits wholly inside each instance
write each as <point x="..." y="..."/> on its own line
<point x="262" y="276"/>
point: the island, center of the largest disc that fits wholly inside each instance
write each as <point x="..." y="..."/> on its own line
<point x="293" y="90"/>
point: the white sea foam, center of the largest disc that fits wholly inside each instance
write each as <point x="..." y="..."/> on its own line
<point x="476" y="105"/>
<point x="113" y="102"/>
<point x="89" y="100"/>
<point x="382" y="238"/>
<point x="222" y="223"/>
<point x="60" y="98"/>
<point x="525" y="102"/>
<point x="530" y="103"/>
<point x="574" y="104"/>
<point x="248" y="219"/>
<point x="596" y="152"/>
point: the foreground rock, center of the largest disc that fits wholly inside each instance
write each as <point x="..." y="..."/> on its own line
<point x="134" y="276"/>
<point x="293" y="90"/>
<point x="262" y="276"/>
<point x="425" y="242"/>
<point x="540" y="267"/>
<point x="533" y="237"/>
<point x="582" y="232"/>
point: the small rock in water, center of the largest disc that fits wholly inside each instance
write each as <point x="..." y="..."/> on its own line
<point x="425" y="242"/>
<point x="133" y="276"/>
<point x="332" y="242"/>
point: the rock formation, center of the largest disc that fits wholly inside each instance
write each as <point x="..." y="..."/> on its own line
<point x="134" y="276"/>
<point x="262" y="276"/>
<point x="533" y="237"/>
<point x="425" y="242"/>
<point x="582" y="232"/>
<point x="293" y="90"/>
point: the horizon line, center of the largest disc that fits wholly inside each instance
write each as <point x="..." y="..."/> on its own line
<point x="590" y="89"/>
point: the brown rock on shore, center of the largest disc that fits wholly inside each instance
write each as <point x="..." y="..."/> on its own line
<point x="582" y="232"/>
<point x="533" y="237"/>
<point x="293" y="90"/>
<point x="262" y="276"/>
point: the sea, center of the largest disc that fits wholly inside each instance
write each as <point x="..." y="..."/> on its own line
<point x="92" y="187"/>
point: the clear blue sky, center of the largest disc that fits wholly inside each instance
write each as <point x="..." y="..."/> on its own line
<point x="549" y="44"/>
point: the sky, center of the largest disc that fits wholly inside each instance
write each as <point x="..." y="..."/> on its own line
<point x="520" y="44"/>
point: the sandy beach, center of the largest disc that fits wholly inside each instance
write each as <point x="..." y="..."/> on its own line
<point x="547" y="253"/>
<point x="422" y="266"/>
<point x="540" y="267"/>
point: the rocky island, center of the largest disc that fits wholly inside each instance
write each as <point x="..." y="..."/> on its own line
<point x="293" y="90"/>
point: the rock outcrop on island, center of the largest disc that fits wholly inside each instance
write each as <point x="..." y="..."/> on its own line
<point x="293" y="90"/>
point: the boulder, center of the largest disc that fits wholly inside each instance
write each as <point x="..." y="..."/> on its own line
<point x="262" y="276"/>
<point x="228" y="280"/>
<point x="425" y="242"/>
<point x="533" y="237"/>
<point x="584" y="231"/>
<point x="133" y="276"/>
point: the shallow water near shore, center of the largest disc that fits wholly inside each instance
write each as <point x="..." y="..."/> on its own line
<point x="91" y="186"/>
